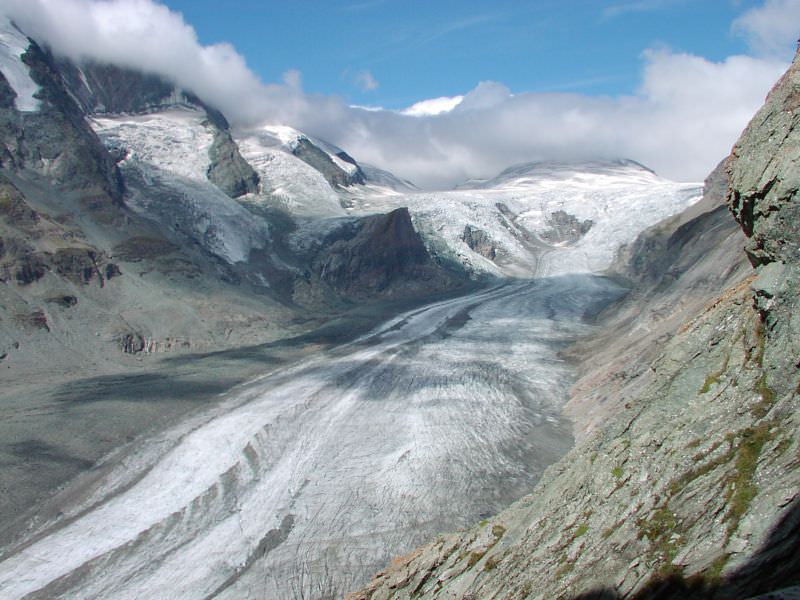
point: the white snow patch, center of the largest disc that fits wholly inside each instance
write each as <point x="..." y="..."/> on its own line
<point x="13" y="44"/>
<point x="287" y="181"/>
<point x="176" y="140"/>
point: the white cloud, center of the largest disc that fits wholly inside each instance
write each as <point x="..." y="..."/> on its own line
<point x="682" y="120"/>
<point x="365" y="81"/>
<point x="771" y="29"/>
<point x="146" y="35"/>
<point x="433" y="106"/>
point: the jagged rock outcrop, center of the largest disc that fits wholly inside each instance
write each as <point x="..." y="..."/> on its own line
<point x="54" y="141"/>
<point x="690" y="487"/>
<point x="479" y="241"/>
<point x="306" y="151"/>
<point x="380" y="256"/>
<point x="766" y="177"/>
<point x="228" y="170"/>
<point x="565" y="228"/>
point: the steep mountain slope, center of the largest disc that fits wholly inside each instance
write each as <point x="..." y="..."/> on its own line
<point x="674" y="269"/>
<point x="74" y="253"/>
<point x="690" y="489"/>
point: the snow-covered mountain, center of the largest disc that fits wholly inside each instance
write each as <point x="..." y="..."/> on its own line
<point x="513" y="224"/>
<point x="166" y="163"/>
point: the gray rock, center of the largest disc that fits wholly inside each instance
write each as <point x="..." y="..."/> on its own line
<point x="306" y="151"/>
<point x="565" y="228"/>
<point x="56" y="141"/>
<point x="479" y="241"/>
<point x="228" y="170"/>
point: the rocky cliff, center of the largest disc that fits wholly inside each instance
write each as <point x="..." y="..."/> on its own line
<point x="314" y="156"/>
<point x="688" y="487"/>
<point x="105" y="89"/>
<point x="54" y="142"/>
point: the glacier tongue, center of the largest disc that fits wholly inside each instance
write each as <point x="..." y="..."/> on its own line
<point x="313" y="477"/>
<point x="13" y="44"/>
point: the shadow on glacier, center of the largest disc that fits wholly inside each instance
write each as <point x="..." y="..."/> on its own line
<point x="197" y="377"/>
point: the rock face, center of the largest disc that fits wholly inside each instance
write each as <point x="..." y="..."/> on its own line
<point x="228" y="170"/>
<point x="54" y="141"/>
<point x="306" y="151"/>
<point x="565" y="228"/>
<point x="479" y="241"/>
<point x="108" y="89"/>
<point x="689" y="488"/>
<point x="766" y="177"/>
<point x="380" y="256"/>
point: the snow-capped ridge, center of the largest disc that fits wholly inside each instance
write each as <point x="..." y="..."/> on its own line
<point x="13" y="44"/>
<point x="387" y="179"/>
<point x="552" y="169"/>
<point x="541" y="219"/>
<point x="291" y="139"/>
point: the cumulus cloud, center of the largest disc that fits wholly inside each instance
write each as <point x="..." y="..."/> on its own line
<point x="772" y="28"/>
<point x="681" y="121"/>
<point x="433" y="106"/>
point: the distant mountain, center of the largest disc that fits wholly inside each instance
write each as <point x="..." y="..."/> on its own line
<point x="120" y="193"/>
<point x="535" y="171"/>
<point x="510" y="225"/>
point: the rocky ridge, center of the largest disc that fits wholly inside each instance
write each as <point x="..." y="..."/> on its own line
<point x="689" y="487"/>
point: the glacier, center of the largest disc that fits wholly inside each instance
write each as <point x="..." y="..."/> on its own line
<point x="165" y="162"/>
<point x="318" y="474"/>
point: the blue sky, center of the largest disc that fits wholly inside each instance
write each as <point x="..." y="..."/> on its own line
<point x="415" y="49"/>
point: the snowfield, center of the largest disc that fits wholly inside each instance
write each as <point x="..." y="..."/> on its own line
<point x="515" y="209"/>
<point x="288" y="183"/>
<point x="165" y="165"/>
<point x="13" y="44"/>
